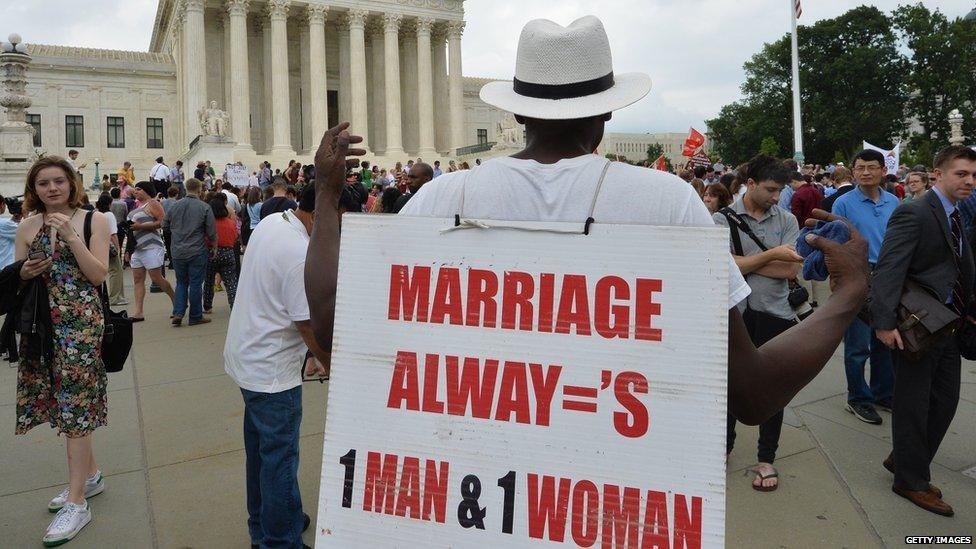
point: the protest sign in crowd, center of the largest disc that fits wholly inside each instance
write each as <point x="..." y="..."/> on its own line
<point x="524" y="321"/>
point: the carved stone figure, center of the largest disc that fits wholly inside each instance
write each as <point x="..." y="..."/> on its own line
<point x="508" y="134"/>
<point x="214" y="121"/>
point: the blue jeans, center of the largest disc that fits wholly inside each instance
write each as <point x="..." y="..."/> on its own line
<point x="274" y="503"/>
<point x="189" y="281"/>
<point x="860" y="343"/>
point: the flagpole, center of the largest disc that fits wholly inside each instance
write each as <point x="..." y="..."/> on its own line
<point x="797" y="122"/>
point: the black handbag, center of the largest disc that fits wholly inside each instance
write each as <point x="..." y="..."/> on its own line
<point x="117" y="336"/>
<point x="922" y="319"/>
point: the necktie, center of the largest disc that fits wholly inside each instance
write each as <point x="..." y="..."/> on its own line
<point x="957" y="302"/>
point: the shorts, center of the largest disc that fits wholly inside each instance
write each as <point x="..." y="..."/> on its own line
<point x="148" y="258"/>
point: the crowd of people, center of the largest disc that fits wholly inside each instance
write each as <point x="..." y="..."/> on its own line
<point x="272" y="246"/>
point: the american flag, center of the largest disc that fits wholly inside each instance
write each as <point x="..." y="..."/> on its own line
<point x="797" y="8"/>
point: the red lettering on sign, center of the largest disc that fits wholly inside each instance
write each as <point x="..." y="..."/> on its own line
<point x="482" y="308"/>
<point x="613" y="515"/>
<point x="544" y="384"/>
<point x="447" y="297"/>
<point x="687" y="522"/>
<point x="383" y="494"/>
<point x="656" y="522"/>
<point x="404" y="385"/>
<point x="546" y="510"/>
<point x="586" y="513"/>
<point x="635" y="423"/>
<point x="380" y="490"/>
<point x="513" y="395"/>
<point x="574" y="306"/>
<point x="409" y="297"/>
<point x="470" y="384"/>
<point x="518" y="291"/>
<point x="547" y="291"/>
<point x="646" y="308"/>
<point x="435" y="490"/>
<point x="620" y="519"/>
<point x="431" y="367"/>
<point x="408" y="494"/>
<point x="612" y="320"/>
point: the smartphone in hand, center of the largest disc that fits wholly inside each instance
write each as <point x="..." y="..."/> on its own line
<point x="37" y="255"/>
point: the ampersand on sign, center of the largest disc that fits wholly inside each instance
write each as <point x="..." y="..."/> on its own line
<point x="469" y="513"/>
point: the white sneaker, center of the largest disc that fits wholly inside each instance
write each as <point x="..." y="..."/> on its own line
<point x="66" y="525"/>
<point x="93" y="486"/>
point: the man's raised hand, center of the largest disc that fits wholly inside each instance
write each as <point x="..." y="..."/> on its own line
<point x="332" y="159"/>
<point x="847" y="263"/>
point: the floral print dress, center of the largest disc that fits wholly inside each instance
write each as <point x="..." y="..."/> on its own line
<point x="76" y="404"/>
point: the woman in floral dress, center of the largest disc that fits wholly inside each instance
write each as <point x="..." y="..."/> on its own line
<point x="69" y="393"/>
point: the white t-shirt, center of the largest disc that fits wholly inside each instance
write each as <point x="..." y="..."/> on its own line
<point x="510" y="189"/>
<point x="232" y="200"/>
<point x="113" y="224"/>
<point x="159" y="172"/>
<point x="264" y="351"/>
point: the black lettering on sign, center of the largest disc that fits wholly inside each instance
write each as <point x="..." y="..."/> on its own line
<point x="469" y="512"/>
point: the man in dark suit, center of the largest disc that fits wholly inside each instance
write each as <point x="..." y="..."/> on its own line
<point x="925" y="243"/>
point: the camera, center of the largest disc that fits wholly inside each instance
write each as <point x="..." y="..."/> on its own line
<point x="799" y="299"/>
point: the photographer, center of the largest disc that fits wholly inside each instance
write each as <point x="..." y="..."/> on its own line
<point x="768" y="269"/>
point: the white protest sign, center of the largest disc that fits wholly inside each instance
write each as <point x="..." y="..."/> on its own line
<point x="237" y="174"/>
<point x="505" y="387"/>
<point x="892" y="157"/>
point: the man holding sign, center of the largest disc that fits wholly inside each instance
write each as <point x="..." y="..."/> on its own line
<point x="564" y="92"/>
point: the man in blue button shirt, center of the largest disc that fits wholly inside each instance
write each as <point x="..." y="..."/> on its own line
<point x="868" y="207"/>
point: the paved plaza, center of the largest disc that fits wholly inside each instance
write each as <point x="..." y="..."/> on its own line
<point x="173" y="459"/>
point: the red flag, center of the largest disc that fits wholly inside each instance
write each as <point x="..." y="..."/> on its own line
<point x="661" y="164"/>
<point x="688" y="150"/>
<point x="695" y="140"/>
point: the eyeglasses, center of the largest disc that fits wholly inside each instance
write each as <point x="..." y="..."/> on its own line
<point x="865" y="169"/>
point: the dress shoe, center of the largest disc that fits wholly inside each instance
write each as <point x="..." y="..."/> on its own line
<point x="889" y="464"/>
<point x="926" y="500"/>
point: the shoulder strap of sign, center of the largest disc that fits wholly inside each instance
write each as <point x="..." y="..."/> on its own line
<point x="736" y="219"/>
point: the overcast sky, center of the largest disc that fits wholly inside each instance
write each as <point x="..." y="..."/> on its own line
<point x="693" y="49"/>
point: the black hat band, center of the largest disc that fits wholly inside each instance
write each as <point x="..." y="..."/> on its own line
<point x="564" y="91"/>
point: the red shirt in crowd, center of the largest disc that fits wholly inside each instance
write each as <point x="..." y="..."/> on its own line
<point x="806" y="198"/>
<point x="226" y="232"/>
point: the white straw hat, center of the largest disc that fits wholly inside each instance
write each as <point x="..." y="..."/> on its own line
<point x="563" y="73"/>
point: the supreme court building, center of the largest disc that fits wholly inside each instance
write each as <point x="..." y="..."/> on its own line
<point x="284" y="70"/>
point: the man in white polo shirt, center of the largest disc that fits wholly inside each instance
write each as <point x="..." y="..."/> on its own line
<point x="267" y="339"/>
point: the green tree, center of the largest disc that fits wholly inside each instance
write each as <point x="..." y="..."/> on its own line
<point x="654" y="150"/>
<point x="769" y="146"/>
<point x="941" y="76"/>
<point x="852" y="89"/>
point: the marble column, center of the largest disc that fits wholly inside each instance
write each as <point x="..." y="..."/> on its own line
<point x="425" y="89"/>
<point x="442" y="127"/>
<point x="267" y="114"/>
<point x="408" y="87"/>
<point x="345" y="105"/>
<point x="391" y="64"/>
<point x="456" y="85"/>
<point x="281" y="95"/>
<point x="224" y="102"/>
<point x="318" y="81"/>
<point x="240" y="93"/>
<point x="378" y="107"/>
<point x="196" y="66"/>
<point x="358" y="121"/>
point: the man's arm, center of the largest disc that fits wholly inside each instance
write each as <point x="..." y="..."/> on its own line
<point x="780" y="254"/>
<point x="901" y="239"/>
<point x="763" y="381"/>
<point x="323" y="357"/>
<point x="322" y="261"/>
<point x="785" y="270"/>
